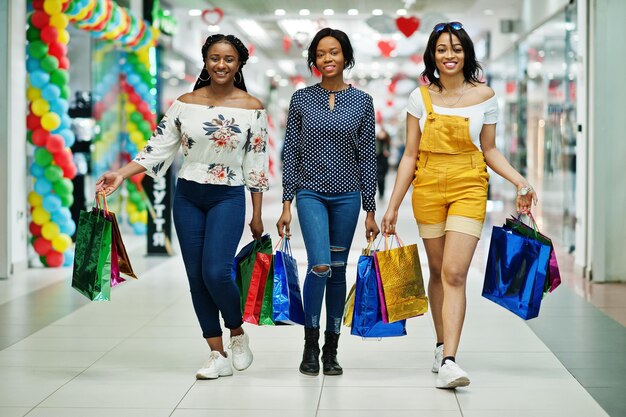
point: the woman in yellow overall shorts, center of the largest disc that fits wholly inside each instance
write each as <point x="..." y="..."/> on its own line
<point x="448" y="123"/>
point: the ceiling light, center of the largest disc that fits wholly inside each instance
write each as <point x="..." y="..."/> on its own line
<point x="377" y="12"/>
<point x="255" y="31"/>
<point x="270" y="72"/>
<point x="401" y="12"/>
<point x="305" y="54"/>
<point x="329" y="12"/>
<point x="304" y="12"/>
<point x="195" y="12"/>
<point x="213" y="28"/>
<point x="253" y="59"/>
<point x="283" y="82"/>
<point x="353" y="12"/>
<point x="488" y="12"/>
<point x="279" y="12"/>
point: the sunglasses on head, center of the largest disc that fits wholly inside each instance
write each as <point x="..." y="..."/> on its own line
<point x="441" y="26"/>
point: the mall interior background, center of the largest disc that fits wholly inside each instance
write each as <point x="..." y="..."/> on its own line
<point x="544" y="59"/>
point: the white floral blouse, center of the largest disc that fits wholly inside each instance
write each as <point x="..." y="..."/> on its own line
<point x="221" y="145"/>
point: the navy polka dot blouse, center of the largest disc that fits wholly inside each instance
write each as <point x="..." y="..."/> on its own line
<point x="331" y="151"/>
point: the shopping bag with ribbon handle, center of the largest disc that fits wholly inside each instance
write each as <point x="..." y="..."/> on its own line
<point x="91" y="273"/>
<point x="553" y="279"/>
<point x="516" y="271"/>
<point x="401" y="280"/>
<point x="367" y="318"/>
<point x="287" y="297"/>
<point x="243" y="265"/>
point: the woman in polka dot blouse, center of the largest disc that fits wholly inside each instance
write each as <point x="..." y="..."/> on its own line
<point x="330" y="168"/>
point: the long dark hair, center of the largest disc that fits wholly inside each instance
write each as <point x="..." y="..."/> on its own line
<point x="342" y="38"/>
<point x="204" y="79"/>
<point x="471" y="67"/>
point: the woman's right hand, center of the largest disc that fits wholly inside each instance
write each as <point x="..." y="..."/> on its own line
<point x="388" y="225"/>
<point x="283" y="223"/>
<point x="109" y="182"/>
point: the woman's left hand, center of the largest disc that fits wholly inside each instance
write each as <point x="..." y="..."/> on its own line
<point x="371" y="228"/>
<point x="525" y="202"/>
<point x="256" y="227"/>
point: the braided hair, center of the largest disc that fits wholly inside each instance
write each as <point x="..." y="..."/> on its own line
<point x="204" y="79"/>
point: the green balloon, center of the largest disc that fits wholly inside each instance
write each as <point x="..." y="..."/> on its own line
<point x="49" y="63"/>
<point x="37" y="49"/>
<point x="134" y="197"/>
<point x="53" y="173"/>
<point x="66" y="91"/>
<point x="63" y="187"/>
<point x="136" y="117"/>
<point x="67" y="200"/>
<point x="29" y="136"/>
<point x="32" y="34"/>
<point x="59" y="77"/>
<point x="43" y="157"/>
<point x="131" y="187"/>
<point x="141" y="206"/>
<point x="144" y="126"/>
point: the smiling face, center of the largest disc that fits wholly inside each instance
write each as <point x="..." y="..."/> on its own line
<point x="222" y="62"/>
<point x="449" y="54"/>
<point x="329" y="58"/>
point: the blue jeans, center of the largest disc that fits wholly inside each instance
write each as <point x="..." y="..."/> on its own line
<point x="209" y="221"/>
<point x="328" y="221"/>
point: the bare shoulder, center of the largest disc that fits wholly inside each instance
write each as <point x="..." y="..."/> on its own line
<point x="252" y="103"/>
<point x="190" y="98"/>
<point x="483" y="92"/>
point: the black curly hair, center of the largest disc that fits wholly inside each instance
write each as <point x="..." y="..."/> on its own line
<point x="204" y="78"/>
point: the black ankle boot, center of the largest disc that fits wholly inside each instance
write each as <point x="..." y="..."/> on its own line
<point x="310" y="358"/>
<point x="329" y="354"/>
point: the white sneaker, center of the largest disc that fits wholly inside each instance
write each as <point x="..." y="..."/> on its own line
<point x="214" y="367"/>
<point x="451" y="376"/>
<point x="242" y="355"/>
<point x="438" y="358"/>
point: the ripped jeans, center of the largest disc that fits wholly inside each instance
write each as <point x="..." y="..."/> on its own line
<point x="328" y="222"/>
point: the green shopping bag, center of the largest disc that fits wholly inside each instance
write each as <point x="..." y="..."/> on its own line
<point x="91" y="275"/>
<point x="267" y="309"/>
<point x="246" y="266"/>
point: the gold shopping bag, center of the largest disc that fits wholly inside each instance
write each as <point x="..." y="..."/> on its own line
<point x="400" y="274"/>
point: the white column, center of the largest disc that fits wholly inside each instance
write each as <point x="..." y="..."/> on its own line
<point x="5" y="226"/>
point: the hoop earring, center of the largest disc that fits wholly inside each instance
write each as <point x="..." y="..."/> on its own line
<point x="436" y="73"/>
<point x="204" y="79"/>
<point x="240" y="77"/>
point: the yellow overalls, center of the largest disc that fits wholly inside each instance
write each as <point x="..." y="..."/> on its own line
<point x="451" y="179"/>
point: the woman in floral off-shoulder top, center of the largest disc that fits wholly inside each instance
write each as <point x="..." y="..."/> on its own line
<point x="222" y="131"/>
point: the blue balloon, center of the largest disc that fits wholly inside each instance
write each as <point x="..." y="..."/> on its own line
<point x="61" y="216"/>
<point x="69" y="228"/>
<point x="51" y="92"/>
<point x="134" y="80"/>
<point x="39" y="79"/>
<point x="32" y="65"/>
<point x="140" y="229"/>
<point x="52" y="203"/>
<point x="59" y="106"/>
<point x="69" y="137"/>
<point x="42" y="186"/>
<point x="68" y="258"/>
<point x="36" y="170"/>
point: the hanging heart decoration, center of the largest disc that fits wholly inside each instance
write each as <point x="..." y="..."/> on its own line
<point x="212" y="16"/>
<point x="407" y="25"/>
<point x="386" y="48"/>
<point x="286" y="43"/>
<point x="418" y="59"/>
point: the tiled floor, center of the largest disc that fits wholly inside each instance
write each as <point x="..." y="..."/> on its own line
<point x="137" y="355"/>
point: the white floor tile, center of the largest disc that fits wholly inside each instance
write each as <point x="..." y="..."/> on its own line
<point x="387" y="413"/>
<point x="98" y="412"/>
<point x="215" y="396"/>
<point x="27" y="387"/>
<point x="383" y="398"/>
<point x="382" y="378"/>
<point x="49" y="359"/>
<point x="182" y="412"/>
<point x="13" y="411"/>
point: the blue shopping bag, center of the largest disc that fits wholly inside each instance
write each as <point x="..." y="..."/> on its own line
<point x="367" y="318"/>
<point x="515" y="276"/>
<point x="287" y="306"/>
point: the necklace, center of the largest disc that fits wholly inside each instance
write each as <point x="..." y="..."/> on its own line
<point x="457" y="101"/>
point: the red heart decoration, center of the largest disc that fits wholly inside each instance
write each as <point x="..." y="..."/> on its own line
<point x="418" y="59"/>
<point x="407" y="25"/>
<point x="386" y="48"/>
<point x="212" y="16"/>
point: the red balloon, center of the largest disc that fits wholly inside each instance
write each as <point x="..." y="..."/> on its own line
<point x="66" y="5"/>
<point x="134" y="98"/>
<point x="35" y="229"/>
<point x="49" y="34"/>
<point x="57" y="50"/>
<point x="62" y="158"/>
<point x="42" y="246"/>
<point x="54" y="258"/>
<point x="38" y="4"/>
<point x="40" y="19"/>
<point x="64" y="63"/>
<point x="40" y="137"/>
<point x="55" y="144"/>
<point x="143" y="107"/>
<point x="33" y="122"/>
<point x="69" y="171"/>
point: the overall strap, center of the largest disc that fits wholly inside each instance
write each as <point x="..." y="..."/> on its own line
<point x="429" y="105"/>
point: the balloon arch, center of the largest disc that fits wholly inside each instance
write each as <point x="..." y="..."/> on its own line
<point x="49" y="125"/>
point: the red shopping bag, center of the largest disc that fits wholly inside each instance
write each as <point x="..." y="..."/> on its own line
<point x="254" y="300"/>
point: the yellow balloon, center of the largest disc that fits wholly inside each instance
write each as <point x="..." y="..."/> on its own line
<point x="40" y="216"/>
<point x="33" y="93"/>
<point x="135" y="217"/>
<point x="35" y="199"/>
<point x="52" y="7"/>
<point x="131" y="208"/>
<point x="64" y="36"/>
<point x="129" y="107"/>
<point x="50" y="230"/>
<point x="50" y="121"/>
<point x="61" y="242"/>
<point x="144" y="216"/>
<point x="40" y="107"/>
<point x="59" y="21"/>
<point x="136" y="137"/>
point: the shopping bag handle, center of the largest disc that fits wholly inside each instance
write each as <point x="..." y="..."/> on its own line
<point x="285" y="247"/>
<point x="100" y="202"/>
<point x="389" y="245"/>
<point x="533" y="222"/>
<point x="367" y="251"/>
